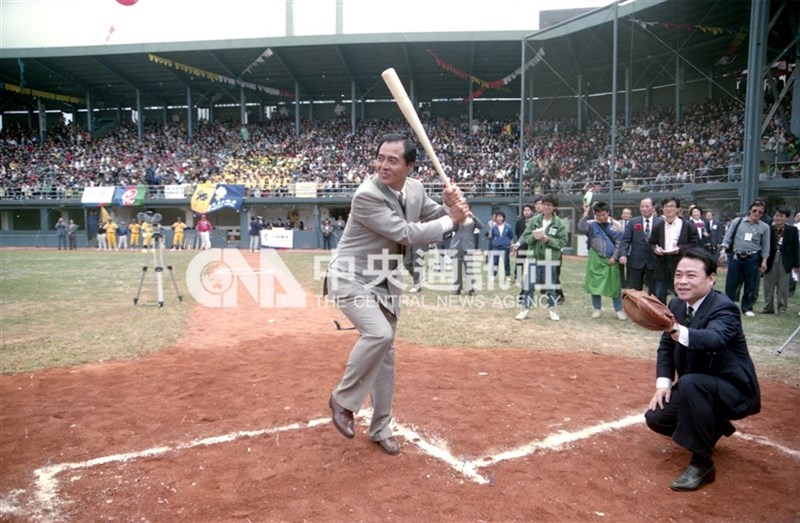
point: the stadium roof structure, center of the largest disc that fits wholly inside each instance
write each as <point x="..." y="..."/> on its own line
<point x="710" y="35"/>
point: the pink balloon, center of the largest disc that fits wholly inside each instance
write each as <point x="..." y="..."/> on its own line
<point x="127" y="2"/>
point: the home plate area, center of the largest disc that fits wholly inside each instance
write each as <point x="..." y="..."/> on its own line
<point x="243" y="433"/>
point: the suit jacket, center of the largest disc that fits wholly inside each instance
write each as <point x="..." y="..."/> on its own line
<point x="519" y="229"/>
<point x="702" y="229"/>
<point x="369" y="257"/>
<point x="717" y="232"/>
<point x="635" y="245"/>
<point x="463" y="238"/>
<point x="717" y="347"/>
<point x="790" y="249"/>
<point x="687" y="236"/>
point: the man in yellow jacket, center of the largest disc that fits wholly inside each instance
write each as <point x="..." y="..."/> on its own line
<point x="111" y="235"/>
<point x="177" y="234"/>
<point x="134" y="227"/>
<point x="147" y="236"/>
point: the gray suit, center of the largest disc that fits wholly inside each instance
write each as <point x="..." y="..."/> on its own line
<point x="365" y="277"/>
<point x="461" y="243"/>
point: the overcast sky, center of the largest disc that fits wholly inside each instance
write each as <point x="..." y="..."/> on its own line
<point x="66" y="23"/>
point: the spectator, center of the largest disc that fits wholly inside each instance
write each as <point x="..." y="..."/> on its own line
<point x="669" y="236"/>
<point x="61" y="233"/>
<point x="795" y="273"/>
<point x="716" y="232"/>
<point x="500" y="238"/>
<point x="327" y="234"/>
<point x="635" y="250"/>
<point x="461" y="245"/>
<point x="602" y="277"/>
<point x="746" y="245"/>
<point x="519" y="247"/>
<point x="255" y="234"/>
<point x="72" y="235"/>
<point x="177" y="234"/>
<point x="123" y="231"/>
<point x="784" y="257"/>
<point x="135" y="229"/>
<point x="703" y="231"/>
<point x="204" y="230"/>
<point x="102" y="239"/>
<point x="624" y="218"/>
<point x="546" y="234"/>
<point x="111" y="235"/>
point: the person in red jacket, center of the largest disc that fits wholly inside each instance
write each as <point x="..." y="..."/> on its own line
<point x="204" y="230"/>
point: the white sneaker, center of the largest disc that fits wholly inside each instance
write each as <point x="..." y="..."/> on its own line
<point x="522" y="314"/>
<point x="413" y="289"/>
<point x="750" y="313"/>
<point x="553" y="314"/>
<point x="596" y="313"/>
<point x="621" y="316"/>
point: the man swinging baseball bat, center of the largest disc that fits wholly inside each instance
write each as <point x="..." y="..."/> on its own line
<point x="390" y="213"/>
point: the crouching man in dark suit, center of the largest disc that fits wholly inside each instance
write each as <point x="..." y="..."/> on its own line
<point x="716" y="379"/>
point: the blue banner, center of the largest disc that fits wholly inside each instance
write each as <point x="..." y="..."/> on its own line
<point x="227" y="196"/>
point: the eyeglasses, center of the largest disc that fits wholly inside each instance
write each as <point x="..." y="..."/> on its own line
<point x="757" y="210"/>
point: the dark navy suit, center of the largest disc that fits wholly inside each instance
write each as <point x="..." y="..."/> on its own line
<point x="641" y="262"/>
<point x="716" y="377"/>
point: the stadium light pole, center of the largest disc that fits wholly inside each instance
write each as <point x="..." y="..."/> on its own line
<point x="613" y="110"/>
<point x="521" y="127"/>
<point x="754" y="102"/>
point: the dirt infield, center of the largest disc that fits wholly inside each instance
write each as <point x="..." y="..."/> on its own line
<point x="232" y="424"/>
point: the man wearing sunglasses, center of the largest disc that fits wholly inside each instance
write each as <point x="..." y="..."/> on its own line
<point x="746" y="246"/>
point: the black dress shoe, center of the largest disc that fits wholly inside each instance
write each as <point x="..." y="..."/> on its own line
<point x="694" y="477"/>
<point x="471" y="292"/>
<point x="389" y="446"/>
<point x="456" y="293"/>
<point x="342" y="419"/>
<point x="728" y="429"/>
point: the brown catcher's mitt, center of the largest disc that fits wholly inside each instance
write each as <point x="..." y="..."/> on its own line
<point x="647" y="311"/>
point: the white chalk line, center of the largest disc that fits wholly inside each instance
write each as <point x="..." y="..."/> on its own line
<point x="45" y="503"/>
<point x="430" y="448"/>
<point x="769" y="443"/>
<point x="558" y="440"/>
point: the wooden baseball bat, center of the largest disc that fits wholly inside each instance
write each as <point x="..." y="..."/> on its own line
<point x="407" y="108"/>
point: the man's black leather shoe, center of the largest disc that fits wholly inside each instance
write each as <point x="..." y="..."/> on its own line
<point x="342" y="419"/>
<point x="694" y="477"/>
<point x="728" y="429"/>
<point x="389" y="446"/>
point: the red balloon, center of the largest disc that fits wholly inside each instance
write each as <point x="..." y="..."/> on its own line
<point x="127" y="2"/>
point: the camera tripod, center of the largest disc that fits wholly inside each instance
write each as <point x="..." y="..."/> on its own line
<point x="158" y="268"/>
<point x="786" y="343"/>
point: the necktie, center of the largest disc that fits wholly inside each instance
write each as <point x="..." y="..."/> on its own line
<point x="647" y="227"/>
<point x="689" y="315"/>
<point x="403" y="249"/>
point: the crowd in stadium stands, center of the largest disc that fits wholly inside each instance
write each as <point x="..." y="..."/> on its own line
<point x="653" y="154"/>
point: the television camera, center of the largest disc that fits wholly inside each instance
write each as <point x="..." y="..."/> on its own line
<point x="154" y="220"/>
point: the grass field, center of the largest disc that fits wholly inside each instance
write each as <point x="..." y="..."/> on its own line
<point x="67" y="308"/>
